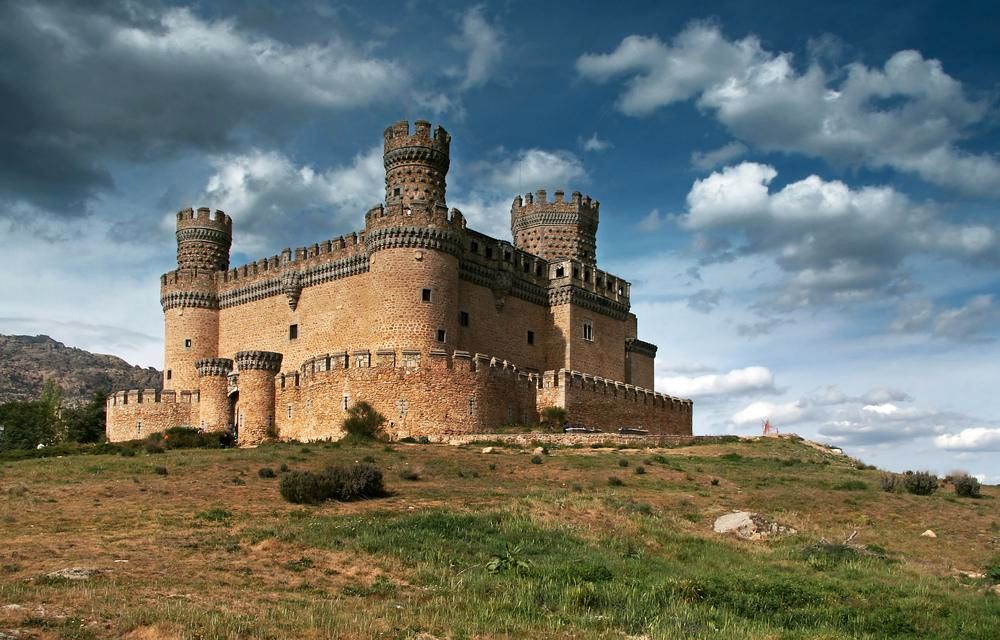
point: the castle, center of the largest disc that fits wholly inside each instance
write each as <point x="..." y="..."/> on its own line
<point x="444" y="330"/>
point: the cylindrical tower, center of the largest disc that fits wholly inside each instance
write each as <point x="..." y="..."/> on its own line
<point x="189" y="295"/>
<point x="416" y="166"/>
<point x="257" y="370"/>
<point x="203" y="240"/>
<point x="214" y="392"/>
<point x="413" y="244"/>
<point x="558" y="229"/>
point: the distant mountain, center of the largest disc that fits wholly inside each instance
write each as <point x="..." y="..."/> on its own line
<point x="27" y="361"/>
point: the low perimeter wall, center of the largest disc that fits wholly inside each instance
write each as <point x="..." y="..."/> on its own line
<point x="137" y="413"/>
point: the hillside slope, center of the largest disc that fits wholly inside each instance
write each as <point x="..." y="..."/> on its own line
<point x="26" y="362"/>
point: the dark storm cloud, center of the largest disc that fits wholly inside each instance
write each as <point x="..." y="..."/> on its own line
<point x="83" y="85"/>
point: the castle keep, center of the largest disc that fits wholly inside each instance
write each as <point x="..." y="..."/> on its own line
<point x="444" y="330"/>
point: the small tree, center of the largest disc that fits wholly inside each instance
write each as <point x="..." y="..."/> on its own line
<point x="554" y="417"/>
<point x="966" y="486"/>
<point x="86" y="422"/>
<point x="921" y="483"/>
<point x="363" y="421"/>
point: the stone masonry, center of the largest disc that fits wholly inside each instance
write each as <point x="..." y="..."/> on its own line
<point x="444" y="330"/>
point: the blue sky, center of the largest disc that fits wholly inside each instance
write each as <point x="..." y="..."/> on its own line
<point x="804" y="196"/>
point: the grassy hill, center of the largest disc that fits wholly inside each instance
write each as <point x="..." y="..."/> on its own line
<point x="210" y="550"/>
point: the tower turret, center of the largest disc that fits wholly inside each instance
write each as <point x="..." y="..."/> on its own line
<point x="556" y="229"/>
<point x="416" y="165"/>
<point x="203" y="240"/>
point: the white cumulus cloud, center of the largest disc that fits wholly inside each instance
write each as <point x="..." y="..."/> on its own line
<point x="974" y="439"/>
<point x="907" y="114"/>
<point x="779" y="413"/>
<point x="735" y="382"/>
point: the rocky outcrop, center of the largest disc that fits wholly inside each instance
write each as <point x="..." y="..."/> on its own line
<point x="26" y="362"/>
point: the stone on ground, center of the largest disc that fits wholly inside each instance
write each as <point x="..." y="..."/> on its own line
<point x="751" y="526"/>
<point x="928" y="534"/>
<point x="74" y="573"/>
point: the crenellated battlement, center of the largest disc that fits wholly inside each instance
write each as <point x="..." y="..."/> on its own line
<point x="614" y="388"/>
<point x="556" y="228"/>
<point x="151" y="396"/>
<point x="397" y="136"/>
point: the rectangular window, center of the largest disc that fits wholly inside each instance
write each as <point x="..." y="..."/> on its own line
<point x="576" y="272"/>
<point x="506" y="256"/>
<point x="293" y="331"/>
<point x="588" y="330"/>
<point x="475" y="247"/>
<point x="425" y="295"/>
<point x="538" y="270"/>
<point x="440" y="335"/>
<point x="347" y="402"/>
<point x="289" y="411"/>
<point x="187" y="343"/>
<point x="463" y="318"/>
<point x="489" y="252"/>
<point x="531" y="337"/>
<point x="560" y="272"/>
<point x="169" y="374"/>
<point x="527" y="267"/>
<point x="395" y="191"/>
<point x="472" y="406"/>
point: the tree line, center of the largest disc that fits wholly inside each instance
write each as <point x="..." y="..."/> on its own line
<point x="47" y="421"/>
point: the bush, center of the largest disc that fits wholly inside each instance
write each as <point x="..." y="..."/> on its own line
<point x="966" y="486"/>
<point x="623" y="462"/>
<point x="615" y="481"/>
<point x="640" y="470"/>
<point x="160" y="471"/>
<point x="715" y="482"/>
<point x="536" y="459"/>
<point x="890" y="482"/>
<point x="921" y="483"/>
<point x="409" y="474"/>
<point x="333" y="483"/>
<point x="154" y="447"/>
<point x="189" y="438"/>
<point x="851" y="485"/>
<point x="266" y="472"/>
<point x="363" y="421"/>
<point x="554" y="417"/>
<point x="283" y="468"/>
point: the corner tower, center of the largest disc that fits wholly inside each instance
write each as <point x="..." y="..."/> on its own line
<point x="189" y="295"/>
<point x="413" y="244"/>
<point x="556" y="229"/>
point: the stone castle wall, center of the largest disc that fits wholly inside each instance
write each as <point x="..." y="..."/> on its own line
<point x="137" y="413"/>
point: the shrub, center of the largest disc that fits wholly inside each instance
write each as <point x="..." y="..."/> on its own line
<point x="554" y="417"/>
<point x="189" y="438"/>
<point x="615" y="481"/>
<point x="266" y="472"/>
<point x="214" y="515"/>
<point x="623" y="462"/>
<point x="921" y="483"/>
<point x="363" y="421"/>
<point x="851" y="485"/>
<point x="333" y="483"/>
<point x="715" y="482"/>
<point x="640" y="470"/>
<point x="966" y="486"/>
<point x="409" y="474"/>
<point x="127" y="452"/>
<point x="160" y="471"/>
<point x="423" y="440"/>
<point x="890" y="482"/>
<point x="154" y="447"/>
<point x="283" y="468"/>
<point x="536" y="459"/>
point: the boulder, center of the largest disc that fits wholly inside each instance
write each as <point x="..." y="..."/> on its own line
<point x="487" y="449"/>
<point x="74" y="573"/>
<point x="539" y="451"/>
<point x="751" y="526"/>
<point x="928" y="534"/>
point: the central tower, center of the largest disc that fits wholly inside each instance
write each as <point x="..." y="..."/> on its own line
<point x="413" y="244"/>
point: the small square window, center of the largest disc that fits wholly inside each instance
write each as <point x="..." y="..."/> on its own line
<point x="440" y="335"/>
<point x="293" y="331"/>
<point x="531" y="337"/>
<point x="560" y="272"/>
<point x="425" y="295"/>
<point x="588" y="330"/>
<point x="395" y="191"/>
<point x="463" y="318"/>
<point x="169" y="374"/>
<point x="187" y="343"/>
